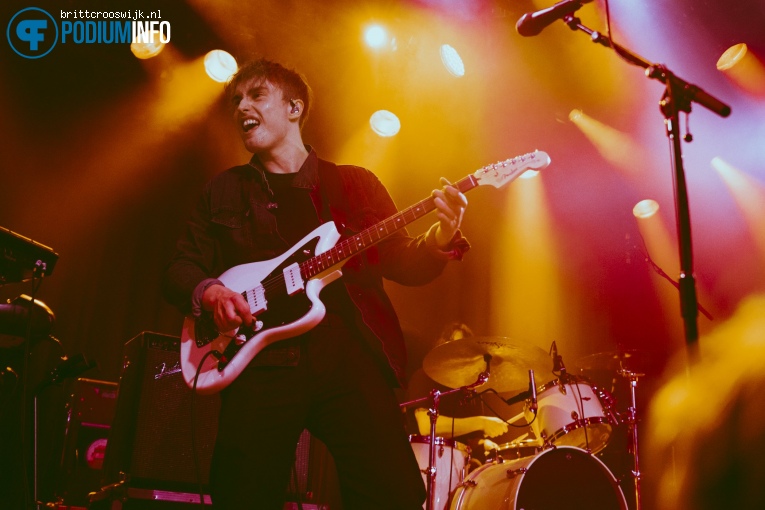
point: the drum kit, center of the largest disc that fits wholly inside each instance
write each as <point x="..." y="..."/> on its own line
<point x="570" y="420"/>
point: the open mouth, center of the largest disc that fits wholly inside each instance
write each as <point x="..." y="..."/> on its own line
<point x="249" y="124"/>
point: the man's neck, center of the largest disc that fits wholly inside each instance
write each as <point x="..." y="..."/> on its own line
<point x="287" y="159"/>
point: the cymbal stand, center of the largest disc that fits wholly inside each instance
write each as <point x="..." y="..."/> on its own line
<point x="633" y="430"/>
<point x="435" y="398"/>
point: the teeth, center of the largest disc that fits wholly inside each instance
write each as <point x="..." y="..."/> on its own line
<point x="249" y="123"/>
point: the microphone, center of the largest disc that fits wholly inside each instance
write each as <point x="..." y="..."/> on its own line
<point x="555" y="357"/>
<point x="532" y="23"/>
<point x="558" y="365"/>
<point x="533" y="384"/>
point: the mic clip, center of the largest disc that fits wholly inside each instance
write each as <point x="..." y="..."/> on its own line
<point x="562" y="370"/>
<point x="533" y="406"/>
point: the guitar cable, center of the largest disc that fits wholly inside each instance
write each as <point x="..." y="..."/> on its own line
<point x="194" y="455"/>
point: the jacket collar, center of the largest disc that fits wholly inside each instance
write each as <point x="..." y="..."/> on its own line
<point x="308" y="175"/>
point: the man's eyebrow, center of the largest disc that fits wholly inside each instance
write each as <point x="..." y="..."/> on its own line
<point x="256" y="88"/>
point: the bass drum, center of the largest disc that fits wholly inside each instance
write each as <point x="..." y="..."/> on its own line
<point x="564" y="477"/>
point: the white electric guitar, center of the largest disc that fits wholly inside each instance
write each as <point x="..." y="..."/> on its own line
<point x="283" y="293"/>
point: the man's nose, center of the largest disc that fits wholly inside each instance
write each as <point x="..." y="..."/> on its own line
<point x="244" y="104"/>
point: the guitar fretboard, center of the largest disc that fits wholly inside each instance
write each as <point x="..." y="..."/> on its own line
<point x="359" y="242"/>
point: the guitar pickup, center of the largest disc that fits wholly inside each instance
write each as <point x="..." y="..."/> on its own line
<point x="257" y="300"/>
<point x="293" y="280"/>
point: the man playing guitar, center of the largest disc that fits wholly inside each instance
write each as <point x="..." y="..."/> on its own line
<point x="334" y="377"/>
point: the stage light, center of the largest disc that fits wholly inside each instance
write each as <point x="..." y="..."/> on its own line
<point x="376" y="37"/>
<point x="385" y="123"/>
<point x="529" y="174"/>
<point x="220" y="65"/>
<point x="452" y="61"/>
<point x="575" y="115"/>
<point x="742" y="67"/>
<point x="749" y="195"/>
<point x="614" y="146"/>
<point x="645" y="208"/>
<point x="660" y="254"/>
<point x="527" y="242"/>
<point x="146" y="50"/>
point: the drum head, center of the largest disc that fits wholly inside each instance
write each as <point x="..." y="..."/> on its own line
<point x="569" y="478"/>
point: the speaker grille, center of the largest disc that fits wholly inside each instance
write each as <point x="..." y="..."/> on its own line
<point x="151" y="439"/>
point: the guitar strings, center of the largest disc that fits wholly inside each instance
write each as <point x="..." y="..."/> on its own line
<point x="325" y="260"/>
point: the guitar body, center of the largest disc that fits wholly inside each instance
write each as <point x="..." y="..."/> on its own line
<point x="283" y="293"/>
<point x="285" y="316"/>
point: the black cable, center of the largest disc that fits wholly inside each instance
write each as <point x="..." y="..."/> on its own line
<point x="615" y="46"/>
<point x="491" y="390"/>
<point x="194" y="455"/>
<point x="582" y="417"/>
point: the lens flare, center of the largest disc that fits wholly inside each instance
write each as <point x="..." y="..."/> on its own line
<point x="385" y="123"/>
<point x="220" y="65"/>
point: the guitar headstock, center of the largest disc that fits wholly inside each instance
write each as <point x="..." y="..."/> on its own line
<point x="502" y="172"/>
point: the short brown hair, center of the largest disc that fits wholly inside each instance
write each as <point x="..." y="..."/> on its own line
<point x="292" y="84"/>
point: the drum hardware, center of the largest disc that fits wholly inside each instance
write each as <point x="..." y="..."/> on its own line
<point x="467" y="483"/>
<point x="642" y="361"/>
<point x="455" y="363"/>
<point x="630" y="365"/>
<point x="516" y="449"/>
<point x="579" y="416"/>
<point x="431" y="471"/>
<point x="435" y="398"/>
<point x="631" y="421"/>
<point x="562" y="477"/>
<point x="451" y="464"/>
<point x="558" y="366"/>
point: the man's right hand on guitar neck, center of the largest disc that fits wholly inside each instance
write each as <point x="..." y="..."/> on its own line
<point x="230" y="310"/>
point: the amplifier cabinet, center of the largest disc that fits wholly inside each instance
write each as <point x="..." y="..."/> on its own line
<point x="154" y="438"/>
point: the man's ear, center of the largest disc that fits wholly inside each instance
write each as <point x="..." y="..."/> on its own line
<point x="296" y="108"/>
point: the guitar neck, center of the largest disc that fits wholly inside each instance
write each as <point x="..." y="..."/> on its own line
<point x="367" y="238"/>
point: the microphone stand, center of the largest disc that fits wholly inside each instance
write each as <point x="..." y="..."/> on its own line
<point x="68" y="368"/>
<point x="678" y="96"/>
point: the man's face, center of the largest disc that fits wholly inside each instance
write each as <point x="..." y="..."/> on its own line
<point x="261" y="115"/>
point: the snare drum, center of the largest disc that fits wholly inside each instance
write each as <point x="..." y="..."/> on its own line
<point x="574" y="414"/>
<point x="554" y="479"/>
<point x="452" y="459"/>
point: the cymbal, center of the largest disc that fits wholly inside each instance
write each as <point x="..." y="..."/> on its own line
<point x="459" y="362"/>
<point x="638" y="361"/>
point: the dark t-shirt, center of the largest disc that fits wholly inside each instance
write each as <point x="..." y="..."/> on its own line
<point x="295" y="218"/>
